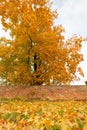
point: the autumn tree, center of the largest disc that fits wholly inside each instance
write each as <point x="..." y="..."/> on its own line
<point x="36" y="52"/>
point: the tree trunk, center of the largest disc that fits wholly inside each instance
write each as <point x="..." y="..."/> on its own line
<point x="35" y="64"/>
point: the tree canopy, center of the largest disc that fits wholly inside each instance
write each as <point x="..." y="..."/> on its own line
<point x="37" y="52"/>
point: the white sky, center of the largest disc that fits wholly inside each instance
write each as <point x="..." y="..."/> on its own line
<point x="73" y="17"/>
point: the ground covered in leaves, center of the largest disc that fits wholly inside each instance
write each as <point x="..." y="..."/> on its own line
<point x="43" y="115"/>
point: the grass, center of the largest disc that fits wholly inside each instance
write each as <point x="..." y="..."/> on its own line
<point x="42" y="115"/>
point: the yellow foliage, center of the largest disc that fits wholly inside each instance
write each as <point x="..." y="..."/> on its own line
<point x="37" y="52"/>
<point x="40" y="115"/>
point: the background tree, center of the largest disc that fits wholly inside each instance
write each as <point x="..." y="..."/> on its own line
<point x="36" y="52"/>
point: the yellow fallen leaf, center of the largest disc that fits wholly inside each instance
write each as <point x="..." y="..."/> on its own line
<point x="64" y="125"/>
<point x="85" y="127"/>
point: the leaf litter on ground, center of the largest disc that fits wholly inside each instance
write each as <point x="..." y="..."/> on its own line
<point x="43" y="115"/>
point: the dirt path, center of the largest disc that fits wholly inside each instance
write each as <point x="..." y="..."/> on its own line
<point x="45" y="92"/>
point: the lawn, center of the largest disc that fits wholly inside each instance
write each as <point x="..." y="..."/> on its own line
<point x="43" y="115"/>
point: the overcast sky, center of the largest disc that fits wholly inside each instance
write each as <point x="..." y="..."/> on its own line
<point x="73" y="17"/>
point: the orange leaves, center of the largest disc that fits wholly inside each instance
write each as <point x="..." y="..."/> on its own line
<point x="21" y="75"/>
<point x="32" y="32"/>
<point x="80" y="71"/>
<point x="63" y="115"/>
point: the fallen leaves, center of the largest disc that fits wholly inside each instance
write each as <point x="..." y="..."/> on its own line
<point x="43" y="115"/>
